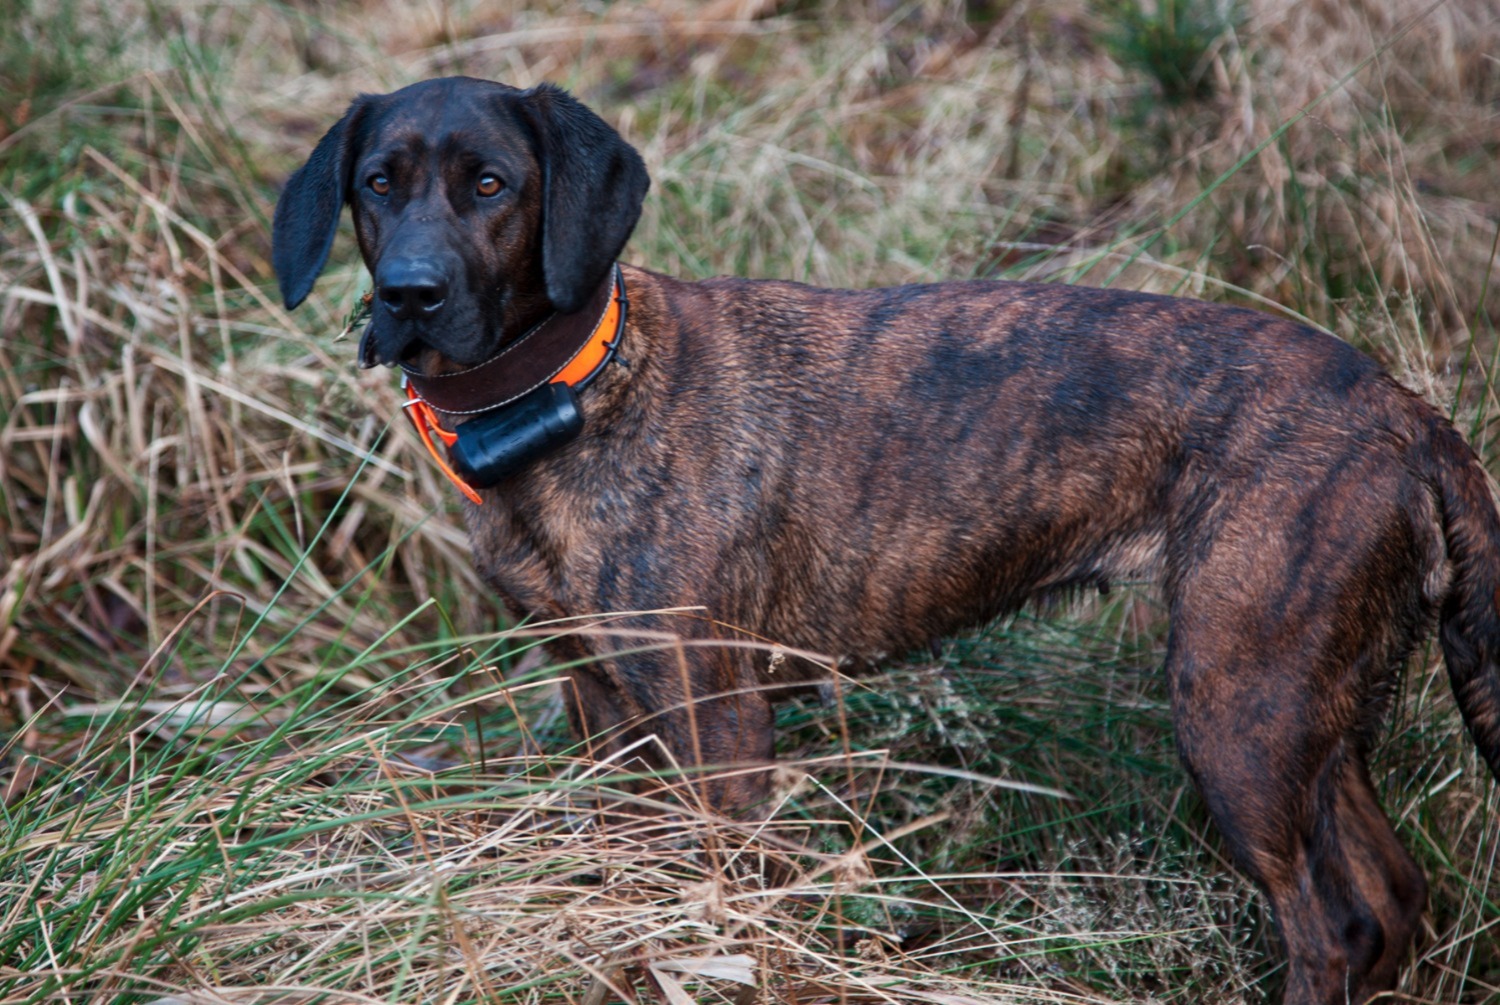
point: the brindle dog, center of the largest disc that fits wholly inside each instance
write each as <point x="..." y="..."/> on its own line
<point x="858" y="472"/>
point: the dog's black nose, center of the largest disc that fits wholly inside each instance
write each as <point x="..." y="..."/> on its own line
<point x="412" y="288"/>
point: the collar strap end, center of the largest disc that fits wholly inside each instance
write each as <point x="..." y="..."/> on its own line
<point x="425" y="420"/>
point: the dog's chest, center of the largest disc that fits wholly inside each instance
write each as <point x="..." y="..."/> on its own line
<point x="554" y="549"/>
<point x="522" y="552"/>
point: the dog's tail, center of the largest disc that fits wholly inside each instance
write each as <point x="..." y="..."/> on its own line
<point x="1470" y="612"/>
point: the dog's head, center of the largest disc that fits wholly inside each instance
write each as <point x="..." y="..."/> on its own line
<point x="479" y="209"/>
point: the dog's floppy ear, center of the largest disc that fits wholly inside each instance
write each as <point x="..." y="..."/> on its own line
<point x="593" y="184"/>
<point x="307" y="214"/>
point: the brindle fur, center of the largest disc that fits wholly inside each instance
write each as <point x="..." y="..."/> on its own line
<point x="857" y="472"/>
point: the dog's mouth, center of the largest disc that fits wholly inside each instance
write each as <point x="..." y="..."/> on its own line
<point x="375" y="350"/>
<point x="410" y="352"/>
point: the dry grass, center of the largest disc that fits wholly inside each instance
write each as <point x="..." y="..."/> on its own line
<point x="350" y="867"/>
<point x="255" y="742"/>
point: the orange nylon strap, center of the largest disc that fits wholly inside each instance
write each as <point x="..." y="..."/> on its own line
<point x="426" y="423"/>
<point x="596" y="350"/>
<point x="594" y="354"/>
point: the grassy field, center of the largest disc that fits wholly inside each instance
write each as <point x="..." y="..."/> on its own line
<point x="263" y="737"/>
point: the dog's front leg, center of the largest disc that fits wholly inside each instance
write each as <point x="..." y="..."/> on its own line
<point x="706" y="726"/>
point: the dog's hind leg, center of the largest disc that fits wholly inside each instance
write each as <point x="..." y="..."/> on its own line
<point x="1280" y="660"/>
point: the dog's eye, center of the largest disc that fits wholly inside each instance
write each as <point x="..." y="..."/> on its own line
<point x="380" y="184"/>
<point x="489" y="185"/>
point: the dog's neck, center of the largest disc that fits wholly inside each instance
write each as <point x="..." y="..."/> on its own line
<point x="524" y="397"/>
<point x="567" y="348"/>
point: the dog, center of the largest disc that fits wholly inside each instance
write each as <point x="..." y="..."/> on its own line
<point x="859" y="472"/>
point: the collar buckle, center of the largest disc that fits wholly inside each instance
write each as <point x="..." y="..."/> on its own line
<point x="424" y="419"/>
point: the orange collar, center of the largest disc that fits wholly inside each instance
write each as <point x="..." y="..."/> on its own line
<point x="548" y="353"/>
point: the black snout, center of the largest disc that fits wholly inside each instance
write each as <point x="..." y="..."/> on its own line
<point x="412" y="288"/>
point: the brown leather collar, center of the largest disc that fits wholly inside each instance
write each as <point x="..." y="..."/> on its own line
<point x="567" y="347"/>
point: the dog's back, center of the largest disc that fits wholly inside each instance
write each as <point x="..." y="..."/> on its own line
<point x="899" y="463"/>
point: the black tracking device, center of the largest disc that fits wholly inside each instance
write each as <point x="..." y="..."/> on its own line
<point x="503" y="442"/>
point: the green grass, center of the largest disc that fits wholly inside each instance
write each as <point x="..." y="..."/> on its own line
<point x="258" y="738"/>
<point x="1172" y="41"/>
